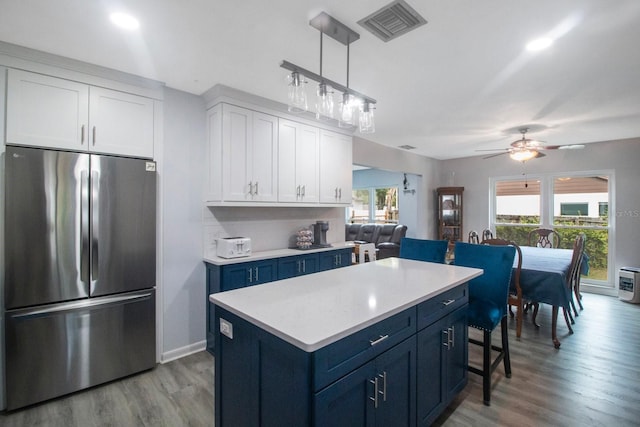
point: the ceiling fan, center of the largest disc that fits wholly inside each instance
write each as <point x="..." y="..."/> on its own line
<point x="524" y="149"/>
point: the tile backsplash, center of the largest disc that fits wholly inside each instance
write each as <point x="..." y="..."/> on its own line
<point x="270" y="227"/>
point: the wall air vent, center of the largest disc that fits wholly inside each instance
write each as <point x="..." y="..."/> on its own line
<point x="407" y="147"/>
<point x="393" y="20"/>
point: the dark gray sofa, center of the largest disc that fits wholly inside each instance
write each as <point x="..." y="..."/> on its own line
<point x="385" y="236"/>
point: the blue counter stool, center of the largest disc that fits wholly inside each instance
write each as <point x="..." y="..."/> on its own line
<point x="423" y="250"/>
<point x="488" y="303"/>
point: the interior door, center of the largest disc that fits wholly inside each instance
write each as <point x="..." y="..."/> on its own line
<point x="123" y="224"/>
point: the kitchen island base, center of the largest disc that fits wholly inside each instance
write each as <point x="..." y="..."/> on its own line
<point x="402" y="371"/>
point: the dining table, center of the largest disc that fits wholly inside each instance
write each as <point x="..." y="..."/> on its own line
<point x="544" y="279"/>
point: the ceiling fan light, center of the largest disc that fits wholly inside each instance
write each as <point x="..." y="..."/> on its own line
<point x="523" y="155"/>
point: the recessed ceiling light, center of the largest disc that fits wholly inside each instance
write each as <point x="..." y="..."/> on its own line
<point x="125" y="21"/>
<point x="539" y="44"/>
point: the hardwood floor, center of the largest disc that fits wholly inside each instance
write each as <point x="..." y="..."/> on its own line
<point x="592" y="380"/>
<point x="178" y="393"/>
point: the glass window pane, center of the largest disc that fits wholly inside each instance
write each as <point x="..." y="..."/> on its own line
<point x="518" y="202"/>
<point x="386" y="205"/>
<point x="359" y="210"/>
<point x="581" y="205"/>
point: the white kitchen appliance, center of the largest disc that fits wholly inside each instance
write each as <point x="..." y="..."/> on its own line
<point x="233" y="247"/>
<point x="629" y="284"/>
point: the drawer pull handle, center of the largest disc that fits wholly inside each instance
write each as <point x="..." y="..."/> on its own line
<point x="379" y="340"/>
<point x="447" y="302"/>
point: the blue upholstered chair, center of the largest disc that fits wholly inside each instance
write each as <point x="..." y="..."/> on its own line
<point x="488" y="303"/>
<point x="423" y="250"/>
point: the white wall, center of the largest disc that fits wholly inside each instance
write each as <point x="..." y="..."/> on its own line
<point x="183" y="289"/>
<point x="367" y="153"/>
<point x="623" y="157"/>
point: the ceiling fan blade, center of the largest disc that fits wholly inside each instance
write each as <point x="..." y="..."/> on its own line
<point x="494" y="155"/>
<point x="563" y="147"/>
<point x="539" y="155"/>
<point x="495" y="149"/>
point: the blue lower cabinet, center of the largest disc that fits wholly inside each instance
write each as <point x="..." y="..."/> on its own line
<point x="335" y="259"/>
<point x="234" y="276"/>
<point x="442" y="364"/>
<point x="379" y="393"/>
<point x="299" y="265"/>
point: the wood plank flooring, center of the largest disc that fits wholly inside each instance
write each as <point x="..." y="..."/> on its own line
<point x="592" y="380"/>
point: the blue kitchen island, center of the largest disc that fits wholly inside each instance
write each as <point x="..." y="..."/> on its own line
<point x="375" y="344"/>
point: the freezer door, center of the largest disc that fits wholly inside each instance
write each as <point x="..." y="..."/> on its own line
<point x="61" y="348"/>
<point x="123" y="225"/>
<point x="46" y="226"/>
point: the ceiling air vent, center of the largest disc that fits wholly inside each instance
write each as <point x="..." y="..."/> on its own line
<point x="393" y="20"/>
<point x="407" y="147"/>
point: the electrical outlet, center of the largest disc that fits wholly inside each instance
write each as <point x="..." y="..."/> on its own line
<point x="226" y="328"/>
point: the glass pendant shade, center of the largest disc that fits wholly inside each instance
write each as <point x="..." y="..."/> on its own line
<point x="347" y="106"/>
<point x="324" y="102"/>
<point x="297" y="95"/>
<point x="367" y="124"/>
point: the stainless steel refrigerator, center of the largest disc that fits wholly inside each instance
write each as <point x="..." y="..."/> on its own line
<point x="80" y="271"/>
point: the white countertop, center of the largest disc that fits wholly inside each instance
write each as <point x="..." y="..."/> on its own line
<point x="276" y="253"/>
<point x="318" y="309"/>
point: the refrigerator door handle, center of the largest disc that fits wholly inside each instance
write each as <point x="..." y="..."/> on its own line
<point x="95" y="221"/>
<point x="83" y="304"/>
<point x="84" y="226"/>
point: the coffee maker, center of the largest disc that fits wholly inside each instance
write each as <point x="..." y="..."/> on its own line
<point x="320" y="234"/>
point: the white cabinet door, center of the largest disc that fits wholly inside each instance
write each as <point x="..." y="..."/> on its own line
<point x="264" y="158"/>
<point x="50" y="112"/>
<point x="297" y="163"/>
<point x="335" y="167"/>
<point x="46" y="111"/>
<point x="236" y="148"/>
<point x="120" y="123"/>
<point x="249" y="155"/>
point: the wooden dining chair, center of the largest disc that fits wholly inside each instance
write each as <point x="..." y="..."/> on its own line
<point x="423" y="250"/>
<point x="578" y="277"/>
<point x="515" y="291"/>
<point x="544" y="238"/>
<point x="487" y="304"/>
<point x="473" y="237"/>
<point x="574" y="274"/>
<point x="487" y="234"/>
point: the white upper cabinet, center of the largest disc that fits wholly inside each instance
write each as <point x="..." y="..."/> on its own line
<point x="335" y="168"/>
<point x="50" y="112"/>
<point x="298" y="162"/>
<point x="249" y="155"/>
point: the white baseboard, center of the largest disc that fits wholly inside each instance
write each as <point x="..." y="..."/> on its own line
<point x="183" y="351"/>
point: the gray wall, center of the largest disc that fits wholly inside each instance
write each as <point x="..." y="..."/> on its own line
<point x="623" y="157"/>
<point x="182" y="178"/>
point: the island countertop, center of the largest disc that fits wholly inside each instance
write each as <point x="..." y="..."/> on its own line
<point x="318" y="309"/>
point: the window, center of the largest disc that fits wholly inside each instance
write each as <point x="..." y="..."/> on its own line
<point x="374" y="205"/>
<point x="574" y="209"/>
<point x="570" y="204"/>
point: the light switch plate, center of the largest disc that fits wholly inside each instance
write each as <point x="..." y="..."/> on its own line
<point x="226" y="328"/>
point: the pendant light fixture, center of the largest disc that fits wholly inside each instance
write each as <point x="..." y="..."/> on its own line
<point x="354" y="106"/>
<point x="297" y="95"/>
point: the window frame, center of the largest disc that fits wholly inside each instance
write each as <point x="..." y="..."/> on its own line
<point x="547" y="213"/>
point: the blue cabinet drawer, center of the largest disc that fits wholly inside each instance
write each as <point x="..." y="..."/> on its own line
<point x="441" y="305"/>
<point x="340" y="358"/>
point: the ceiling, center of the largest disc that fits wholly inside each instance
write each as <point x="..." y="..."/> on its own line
<point x="462" y="82"/>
